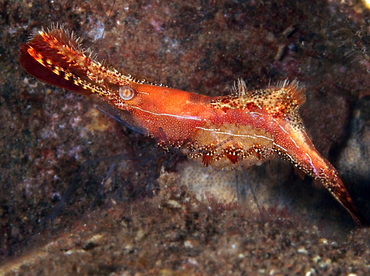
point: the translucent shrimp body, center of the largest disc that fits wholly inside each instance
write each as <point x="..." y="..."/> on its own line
<point x="247" y="128"/>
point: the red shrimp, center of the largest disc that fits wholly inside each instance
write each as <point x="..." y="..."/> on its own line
<point x="247" y="128"/>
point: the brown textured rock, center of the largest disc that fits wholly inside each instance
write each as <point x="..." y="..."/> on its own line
<point x="47" y="134"/>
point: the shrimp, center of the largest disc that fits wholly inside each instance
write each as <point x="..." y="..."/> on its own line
<point x="246" y="128"/>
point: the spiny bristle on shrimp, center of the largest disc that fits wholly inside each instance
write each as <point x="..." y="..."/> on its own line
<point x="246" y="128"/>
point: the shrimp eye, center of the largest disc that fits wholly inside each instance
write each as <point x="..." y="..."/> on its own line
<point x="126" y="93"/>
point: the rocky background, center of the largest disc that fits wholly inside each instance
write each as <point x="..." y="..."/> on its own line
<point x="177" y="218"/>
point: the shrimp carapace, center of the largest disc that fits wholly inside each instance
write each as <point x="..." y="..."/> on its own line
<point x="246" y="128"/>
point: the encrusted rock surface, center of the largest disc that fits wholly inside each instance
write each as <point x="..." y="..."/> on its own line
<point x="157" y="225"/>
